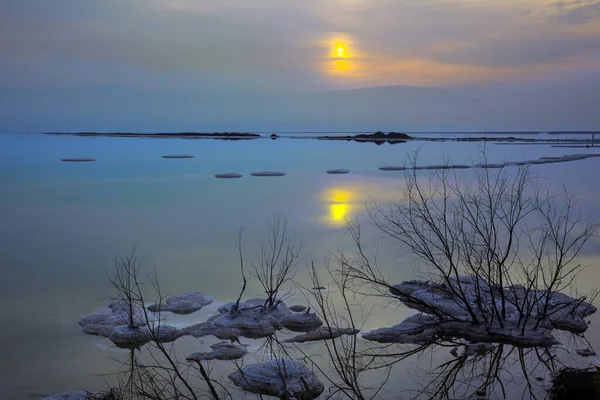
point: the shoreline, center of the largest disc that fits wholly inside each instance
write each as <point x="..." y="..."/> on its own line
<point x="164" y="135"/>
<point x="377" y="137"/>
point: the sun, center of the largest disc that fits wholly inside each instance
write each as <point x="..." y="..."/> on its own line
<point x="340" y="50"/>
<point x="341" y="55"/>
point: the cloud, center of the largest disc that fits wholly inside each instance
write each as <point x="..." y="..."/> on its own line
<point x="286" y="46"/>
<point x="576" y="12"/>
<point x="528" y="51"/>
<point x="162" y="40"/>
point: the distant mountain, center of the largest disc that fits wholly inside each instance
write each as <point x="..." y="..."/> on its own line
<point x="388" y="108"/>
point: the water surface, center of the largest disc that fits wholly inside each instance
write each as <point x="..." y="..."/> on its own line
<point x="63" y="223"/>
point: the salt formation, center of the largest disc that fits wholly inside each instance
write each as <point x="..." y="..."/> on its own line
<point x="286" y="379"/>
<point x="268" y="173"/>
<point x="104" y="323"/>
<point x="465" y="307"/>
<point x="221" y="351"/>
<point x="127" y="336"/>
<point x="78" y="160"/>
<point x="185" y="303"/>
<point x="253" y="319"/>
<point x="228" y="175"/>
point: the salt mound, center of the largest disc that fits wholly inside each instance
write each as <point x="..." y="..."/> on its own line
<point x="268" y="173"/>
<point x="163" y="333"/>
<point x="446" y="313"/>
<point x="392" y="168"/>
<point x="78" y="159"/>
<point x="178" y="156"/>
<point x="221" y="351"/>
<point x="286" y="379"/>
<point x="487" y="165"/>
<point x="128" y="336"/>
<point x="301" y="322"/>
<point x="185" y="303"/>
<point x="253" y="319"/>
<point x="104" y="323"/>
<point x="228" y="175"/>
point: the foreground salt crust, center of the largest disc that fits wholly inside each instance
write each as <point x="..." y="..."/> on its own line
<point x="250" y="319"/>
<point x="280" y="378"/>
<point x="114" y="324"/>
<point x="103" y="323"/>
<point x="445" y="315"/>
<point x="253" y="319"/>
<point x="185" y="303"/>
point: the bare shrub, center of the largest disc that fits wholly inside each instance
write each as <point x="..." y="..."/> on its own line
<point x="277" y="260"/>
<point x="501" y="248"/>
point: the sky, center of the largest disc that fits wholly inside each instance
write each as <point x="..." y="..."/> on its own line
<point x="291" y="46"/>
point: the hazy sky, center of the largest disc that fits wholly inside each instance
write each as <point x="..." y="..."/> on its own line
<point x="295" y="45"/>
<point x="150" y="65"/>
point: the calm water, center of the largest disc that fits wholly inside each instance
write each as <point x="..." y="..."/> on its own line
<point x="61" y="224"/>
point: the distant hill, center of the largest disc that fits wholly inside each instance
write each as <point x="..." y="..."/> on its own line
<point x="388" y="108"/>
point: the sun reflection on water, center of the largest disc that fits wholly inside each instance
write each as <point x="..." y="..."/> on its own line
<point x="340" y="205"/>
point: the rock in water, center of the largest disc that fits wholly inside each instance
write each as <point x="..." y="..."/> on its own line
<point x="185" y="303"/>
<point x="279" y="378"/>
<point x="338" y="171"/>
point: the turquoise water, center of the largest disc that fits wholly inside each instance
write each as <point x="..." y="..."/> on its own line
<point x="61" y="224"/>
